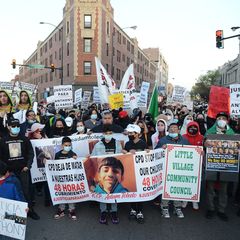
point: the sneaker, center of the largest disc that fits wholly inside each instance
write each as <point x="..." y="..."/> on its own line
<point x="184" y="204"/>
<point x="140" y="217"/>
<point x="59" y="214"/>
<point x="195" y="206"/>
<point x="114" y="218"/>
<point x="179" y="213"/>
<point x="210" y="214"/>
<point x="165" y="213"/>
<point x="222" y="216"/>
<point x="33" y="215"/>
<point x="103" y="218"/>
<point x="72" y="215"/>
<point x="132" y="214"/>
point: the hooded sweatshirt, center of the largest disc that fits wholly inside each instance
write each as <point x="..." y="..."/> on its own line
<point x="196" y="140"/>
<point x="156" y="136"/>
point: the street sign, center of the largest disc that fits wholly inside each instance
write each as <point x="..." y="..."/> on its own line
<point x="38" y="66"/>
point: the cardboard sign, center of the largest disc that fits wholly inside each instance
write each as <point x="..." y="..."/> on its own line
<point x="116" y="100"/>
<point x="63" y="96"/>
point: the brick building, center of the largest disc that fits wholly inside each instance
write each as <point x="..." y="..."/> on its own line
<point x="87" y="30"/>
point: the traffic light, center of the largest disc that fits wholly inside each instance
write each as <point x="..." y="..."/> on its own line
<point x="219" y="37"/>
<point x="14" y="63"/>
<point x="52" y="67"/>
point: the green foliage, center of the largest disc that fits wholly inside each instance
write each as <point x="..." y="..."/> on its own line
<point x="201" y="89"/>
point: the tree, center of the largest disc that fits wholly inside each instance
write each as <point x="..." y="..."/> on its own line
<point x="201" y="89"/>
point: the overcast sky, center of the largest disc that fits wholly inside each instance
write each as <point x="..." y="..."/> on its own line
<point x="184" y="30"/>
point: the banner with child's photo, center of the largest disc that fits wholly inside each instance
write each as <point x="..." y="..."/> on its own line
<point x="108" y="178"/>
<point x="222" y="153"/>
<point x="45" y="149"/>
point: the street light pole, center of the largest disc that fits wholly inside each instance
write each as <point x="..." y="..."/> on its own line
<point x="61" y="30"/>
<point x="234" y="29"/>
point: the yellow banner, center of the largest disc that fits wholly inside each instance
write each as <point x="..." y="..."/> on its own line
<point x="116" y="100"/>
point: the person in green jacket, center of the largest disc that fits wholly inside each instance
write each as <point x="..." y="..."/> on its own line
<point x="220" y="127"/>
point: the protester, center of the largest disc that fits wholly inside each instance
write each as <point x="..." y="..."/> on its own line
<point x="107" y="119"/>
<point x="65" y="153"/>
<point x="201" y="122"/>
<point x="220" y="127"/>
<point x="59" y="129"/>
<point x="161" y="131"/>
<point x="81" y="129"/>
<point x="16" y="151"/>
<point x="93" y="121"/>
<point x="186" y="121"/>
<point x="173" y="137"/>
<point x="123" y="119"/>
<point x="135" y="144"/>
<point x="25" y="127"/>
<point x="145" y="135"/>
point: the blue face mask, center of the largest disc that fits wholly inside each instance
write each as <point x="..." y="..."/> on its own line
<point x="31" y="121"/>
<point x="94" y="116"/>
<point x="67" y="148"/>
<point x="173" y="135"/>
<point x="108" y="137"/>
<point x="15" y="131"/>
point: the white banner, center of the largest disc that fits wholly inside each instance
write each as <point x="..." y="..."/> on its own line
<point x="128" y="81"/>
<point x="235" y="99"/>
<point x="183" y="173"/>
<point x="63" y="96"/>
<point x="137" y="177"/>
<point x="45" y="149"/>
<point x="13" y="218"/>
<point x="78" y="96"/>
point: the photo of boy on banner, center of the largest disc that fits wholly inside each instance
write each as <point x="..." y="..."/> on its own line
<point x="111" y="174"/>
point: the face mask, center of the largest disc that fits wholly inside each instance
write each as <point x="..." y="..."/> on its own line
<point x="67" y="149"/>
<point x="80" y="129"/>
<point x="15" y="131"/>
<point x="31" y="121"/>
<point x="192" y="131"/>
<point x="221" y="123"/>
<point x="131" y="137"/>
<point x="108" y="137"/>
<point x="94" y="116"/>
<point x="173" y="135"/>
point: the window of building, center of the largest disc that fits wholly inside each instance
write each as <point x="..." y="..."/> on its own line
<point x="123" y="58"/>
<point x="50" y="43"/>
<point x="50" y="59"/>
<point x="87" y="21"/>
<point x="112" y="72"/>
<point x="119" y="37"/>
<point x="55" y="55"/>
<point x="87" y="45"/>
<point x="46" y="62"/>
<point x="60" y="35"/>
<point x="107" y="67"/>
<point x="68" y="70"/>
<point x="68" y="28"/>
<point x="87" y="68"/>
<point x="55" y="37"/>
<point x="118" y="56"/>
<point x="128" y="61"/>
<point x="41" y="79"/>
<point x="128" y="46"/>
<point x="51" y="76"/>
<point x="124" y="40"/>
<point x="60" y="54"/>
<point x="40" y="51"/>
<point x="118" y="74"/>
<point x="45" y="47"/>
<point x="113" y="51"/>
<point x="132" y="49"/>
<point x="108" y="28"/>
<point x="107" y="49"/>
<point x="46" y="77"/>
<point x="68" y="49"/>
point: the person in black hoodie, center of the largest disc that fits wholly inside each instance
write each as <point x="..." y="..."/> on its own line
<point x="17" y="152"/>
<point x="59" y="129"/>
<point x="201" y="122"/>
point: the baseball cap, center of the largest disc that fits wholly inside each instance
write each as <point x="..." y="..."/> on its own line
<point x="122" y="114"/>
<point x="224" y="114"/>
<point x="37" y="126"/>
<point x="13" y="122"/>
<point x="133" y="128"/>
<point x="69" y="121"/>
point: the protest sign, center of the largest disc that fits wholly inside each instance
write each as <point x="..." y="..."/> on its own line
<point x="218" y="101"/>
<point x="126" y="98"/>
<point x="178" y="94"/>
<point x="63" y="96"/>
<point x="86" y="99"/>
<point x="78" y="96"/>
<point x="116" y="100"/>
<point x="45" y="149"/>
<point x="96" y="97"/>
<point x="13" y="218"/>
<point x="235" y="99"/>
<point x="135" y="177"/>
<point x="144" y="94"/>
<point x="183" y="173"/>
<point x="6" y="103"/>
<point x="222" y="154"/>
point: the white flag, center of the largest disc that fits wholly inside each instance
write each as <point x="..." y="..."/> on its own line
<point x="106" y="85"/>
<point x="128" y="81"/>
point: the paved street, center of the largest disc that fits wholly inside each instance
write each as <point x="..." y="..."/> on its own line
<point x="193" y="227"/>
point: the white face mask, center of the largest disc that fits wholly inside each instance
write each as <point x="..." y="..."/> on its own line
<point x="221" y="123"/>
<point x="80" y="129"/>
